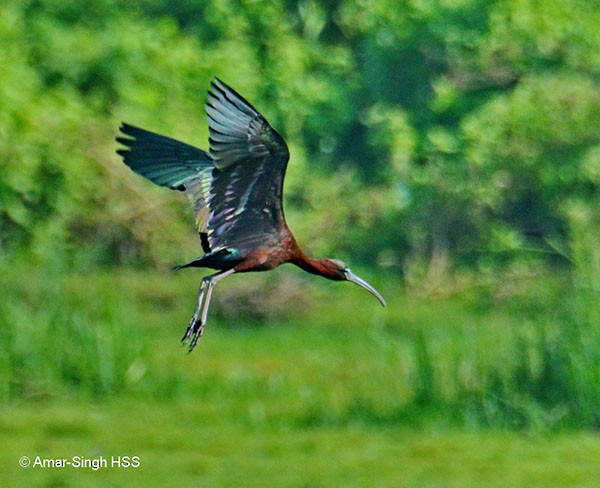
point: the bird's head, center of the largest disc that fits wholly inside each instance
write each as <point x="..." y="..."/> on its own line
<point x="340" y="272"/>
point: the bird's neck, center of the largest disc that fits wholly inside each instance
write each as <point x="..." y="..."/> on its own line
<point x="315" y="266"/>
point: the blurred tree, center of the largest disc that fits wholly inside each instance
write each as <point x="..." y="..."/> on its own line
<point x="429" y="134"/>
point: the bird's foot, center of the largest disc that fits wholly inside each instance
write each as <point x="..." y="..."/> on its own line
<point x="193" y="332"/>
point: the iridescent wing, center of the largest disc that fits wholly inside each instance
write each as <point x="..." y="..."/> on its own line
<point x="170" y="163"/>
<point x="245" y="197"/>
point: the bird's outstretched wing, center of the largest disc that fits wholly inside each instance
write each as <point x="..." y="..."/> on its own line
<point x="245" y="197"/>
<point x="168" y="162"/>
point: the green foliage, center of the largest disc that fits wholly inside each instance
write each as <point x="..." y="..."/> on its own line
<point x="65" y="336"/>
<point x="461" y="129"/>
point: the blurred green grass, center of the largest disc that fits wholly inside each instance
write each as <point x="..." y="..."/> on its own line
<point x="475" y="360"/>
<point x="179" y="444"/>
<point x="475" y="389"/>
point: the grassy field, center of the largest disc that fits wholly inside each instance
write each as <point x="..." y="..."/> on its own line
<point x="474" y="390"/>
<point x="179" y="444"/>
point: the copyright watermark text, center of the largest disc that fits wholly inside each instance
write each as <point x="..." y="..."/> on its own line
<point x="93" y="463"/>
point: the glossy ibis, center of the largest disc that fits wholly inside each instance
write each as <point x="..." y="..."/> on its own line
<point x="236" y="190"/>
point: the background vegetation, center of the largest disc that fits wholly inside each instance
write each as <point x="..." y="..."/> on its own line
<point x="449" y="150"/>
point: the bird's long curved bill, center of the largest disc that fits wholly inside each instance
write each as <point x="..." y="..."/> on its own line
<point x="350" y="276"/>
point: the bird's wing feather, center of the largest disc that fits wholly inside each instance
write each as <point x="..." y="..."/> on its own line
<point x="245" y="198"/>
<point x="170" y="163"/>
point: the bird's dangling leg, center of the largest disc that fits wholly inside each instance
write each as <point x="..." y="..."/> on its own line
<point x="196" y="326"/>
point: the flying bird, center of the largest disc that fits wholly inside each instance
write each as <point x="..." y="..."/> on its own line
<point x="236" y="191"/>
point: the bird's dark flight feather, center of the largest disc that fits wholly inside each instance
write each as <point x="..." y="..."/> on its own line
<point x="245" y="198"/>
<point x="165" y="161"/>
<point x="236" y="188"/>
<point x="171" y="163"/>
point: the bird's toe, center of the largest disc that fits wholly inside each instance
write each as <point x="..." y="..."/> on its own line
<point x="193" y="332"/>
<point x="196" y="338"/>
<point x="191" y="328"/>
